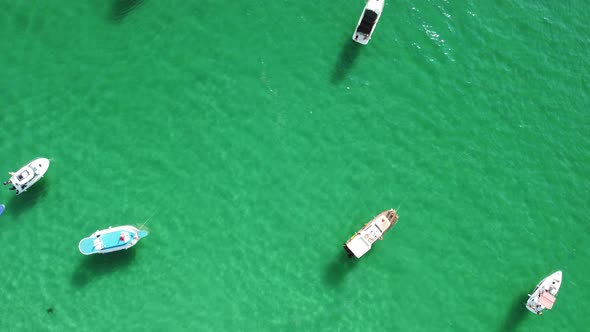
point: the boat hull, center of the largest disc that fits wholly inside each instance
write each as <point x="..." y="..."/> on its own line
<point x="111" y="239"/>
<point x="544" y="294"/>
<point x="368" y="21"/>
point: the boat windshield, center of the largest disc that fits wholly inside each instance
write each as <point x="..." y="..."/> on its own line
<point x="24" y="174"/>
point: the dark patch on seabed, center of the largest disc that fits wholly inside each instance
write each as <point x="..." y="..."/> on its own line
<point x="98" y="265"/>
<point x="26" y="200"/>
<point x="348" y="55"/>
<point x="122" y="8"/>
<point x="516" y="314"/>
<point x="337" y="270"/>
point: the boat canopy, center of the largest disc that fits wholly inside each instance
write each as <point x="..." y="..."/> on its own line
<point x="368" y="21"/>
<point x="546" y="300"/>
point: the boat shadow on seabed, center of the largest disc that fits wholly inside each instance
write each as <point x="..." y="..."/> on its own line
<point x="98" y="265"/>
<point x="26" y="200"/>
<point x="516" y="314"/>
<point x="338" y="268"/>
<point x="348" y="55"/>
<point x="121" y="8"/>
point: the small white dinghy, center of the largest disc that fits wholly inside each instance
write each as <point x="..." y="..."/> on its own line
<point x="368" y="21"/>
<point x="543" y="296"/>
<point x="28" y="175"/>
<point x="361" y="242"/>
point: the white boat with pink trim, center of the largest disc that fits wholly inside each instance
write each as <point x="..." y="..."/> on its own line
<point x="544" y="295"/>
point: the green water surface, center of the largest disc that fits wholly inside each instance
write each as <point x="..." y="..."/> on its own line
<point x="256" y="137"/>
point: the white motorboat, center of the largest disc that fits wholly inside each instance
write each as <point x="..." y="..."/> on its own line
<point x="28" y="175"/>
<point x="361" y="242"/>
<point x="543" y="297"/>
<point x="368" y="21"/>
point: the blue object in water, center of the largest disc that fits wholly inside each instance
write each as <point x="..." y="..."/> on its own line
<point x="2" y="207"/>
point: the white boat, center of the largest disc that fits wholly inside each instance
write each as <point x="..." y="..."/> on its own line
<point x="543" y="297"/>
<point x="28" y="175"/>
<point x="361" y="242"/>
<point x="111" y="239"/>
<point x="368" y="21"/>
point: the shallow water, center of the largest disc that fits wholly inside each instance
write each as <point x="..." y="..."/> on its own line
<point x="256" y="138"/>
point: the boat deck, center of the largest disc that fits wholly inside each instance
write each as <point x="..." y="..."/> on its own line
<point x="105" y="241"/>
<point x="113" y="239"/>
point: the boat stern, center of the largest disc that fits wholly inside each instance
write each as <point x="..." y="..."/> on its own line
<point x="357" y="246"/>
<point x="361" y="38"/>
<point x="532" y="307"/>
<point x="87" y="246"/>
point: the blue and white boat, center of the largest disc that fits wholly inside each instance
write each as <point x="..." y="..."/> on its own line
<point x="111" y="239"/>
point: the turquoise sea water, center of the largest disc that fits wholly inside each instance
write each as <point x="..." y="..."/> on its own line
<point x="257" y="138"/>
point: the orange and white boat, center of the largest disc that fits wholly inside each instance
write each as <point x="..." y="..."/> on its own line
<point x="363" y="240"/>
